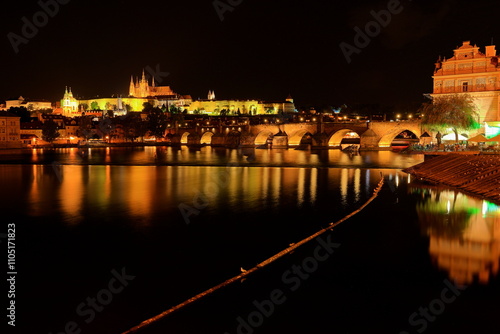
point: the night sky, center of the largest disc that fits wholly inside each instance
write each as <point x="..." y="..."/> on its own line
<point x="262" y="49"/>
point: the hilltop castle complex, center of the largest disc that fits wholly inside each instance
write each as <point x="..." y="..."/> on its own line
<point x="142" y="90"/>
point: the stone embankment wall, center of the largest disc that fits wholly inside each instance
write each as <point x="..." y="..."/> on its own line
<point x="477" y="174"/>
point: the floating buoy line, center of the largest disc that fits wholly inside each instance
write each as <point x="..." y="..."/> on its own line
<point x="245" y="273"/>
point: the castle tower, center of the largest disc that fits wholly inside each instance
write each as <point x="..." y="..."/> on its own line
<point x="144" y="86"/>
<point x="131" y="90"/>
<point x="211" y="95"/>
<point x="289" y="98"/>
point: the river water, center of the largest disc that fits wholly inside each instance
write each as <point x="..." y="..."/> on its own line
<point x="171" y="223"/>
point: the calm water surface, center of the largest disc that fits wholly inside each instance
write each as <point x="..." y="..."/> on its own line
<point x="181" y="221"/>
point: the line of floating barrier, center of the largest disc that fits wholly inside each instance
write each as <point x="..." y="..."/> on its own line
<point x="259" y="266"/>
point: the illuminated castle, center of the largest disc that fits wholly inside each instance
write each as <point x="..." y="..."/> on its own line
<point x="141" y="88"/>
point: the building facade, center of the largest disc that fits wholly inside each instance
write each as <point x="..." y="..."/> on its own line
<point x="10" y="130"/>
<point x="31" y="105"/>
<point x="69" y="104"/>
<point x="472" y="72"/>
<point x="211" y="106"/>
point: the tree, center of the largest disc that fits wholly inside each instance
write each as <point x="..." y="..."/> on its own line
<point x="133" y="126"/>
<point x="21" y="112"/>
<point x="94" y="105"/>
<point x="147" y="106"/>
<point x="157" y="122"/>
<point x="86" y="127"/>
<point x="455" y="112"/>
<point x="173" y="109"/>
<point x="50" y="131"/>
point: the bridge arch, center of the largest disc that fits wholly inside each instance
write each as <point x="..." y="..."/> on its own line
<point x="184" y="138"/>
<point x="261" y="138"/>
<point x="336" y="138"/>
<point x="206" y="138"/>
<point x="388" y="138"/>
<point x="295" y="138"/>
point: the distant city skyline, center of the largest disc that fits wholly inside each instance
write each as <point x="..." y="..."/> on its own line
<point x="260" y="49"/>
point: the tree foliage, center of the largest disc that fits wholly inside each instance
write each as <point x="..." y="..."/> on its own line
<point x="157" y="122"/>
<point x="50" y="131"/>
<point x="457" y="112"/>
<point x="86" y="127"/>
<point x="21" y="112"/>
<point x="133" y="126"/>
<point x="94" y="105"/>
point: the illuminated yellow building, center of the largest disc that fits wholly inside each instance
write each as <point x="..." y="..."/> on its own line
<point x="69" y="104"/>
<point x="211" y="106"/>
<point x="31" y="105"/>
<point x="472" y="72"/>
<point x="120" y="105"/>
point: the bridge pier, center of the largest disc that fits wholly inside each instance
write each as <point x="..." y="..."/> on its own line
<point x="280" y="141"/>
<point x="193" y="140"/>
<point x="320" y="141"/>
<point x="218" y="140"/>
<point x="175" y="139"/>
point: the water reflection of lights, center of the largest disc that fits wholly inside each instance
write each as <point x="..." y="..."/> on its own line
<point x="464" y="233"/>
<point x="357" y="184"/>
<point x="344" y="182"/>
<point x="301" y="186"/>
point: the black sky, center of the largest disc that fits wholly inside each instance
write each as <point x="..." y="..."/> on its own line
<point x="263" y="48"/>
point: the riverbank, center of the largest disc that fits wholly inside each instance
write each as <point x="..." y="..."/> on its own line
<point x="476" y="174"/>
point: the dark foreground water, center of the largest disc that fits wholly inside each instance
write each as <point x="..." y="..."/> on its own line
<point x="102" y="247"/>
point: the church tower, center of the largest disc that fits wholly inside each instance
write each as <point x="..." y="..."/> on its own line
<point x="131" y="90"/>
<point x="144" y="86"/>
<point x="69" y="104"/>
<point x="211" y="95"/>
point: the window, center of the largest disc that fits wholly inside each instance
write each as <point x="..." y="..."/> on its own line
<point x="465" y="86"/>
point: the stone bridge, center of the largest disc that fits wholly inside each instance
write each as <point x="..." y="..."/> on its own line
<point x="372" y="135"/>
